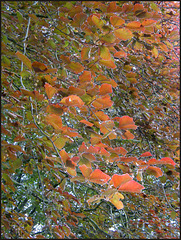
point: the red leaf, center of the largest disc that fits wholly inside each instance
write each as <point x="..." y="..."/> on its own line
<point x="97" y="176"/>
<point x="131" y="186"/>
<point x="146" y="154"/>
<point x="118" y="180"/>
<point x="54" y="120"/>
<point x="105" y="88"/>
<point x="50" y="91"/>
<point x="126" y="122"/>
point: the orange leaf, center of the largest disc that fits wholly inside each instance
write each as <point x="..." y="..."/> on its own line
<point x="165" y="160"/>
<point x="146" y="154"/>
<point x="103" y="102"/>
<point x="87" y="123"/>
<point x="86" y="171"/>
<point x="105" y="88"/>
<point x="64" y="155"/>
<point x="72" y="100"/>
<point x="50" y="91"/>
<point x="123" y="34"/>
<point x="82" y="148"/>
<point x="118" y="150"/>
<point x="97" y="176"/>
<point x="154" y="171"/>
<point x="133" y="25"/>
<point x="148" y="22"/>
<point x="128" y="159"/>
<point x="116" y="21"/>
<point x="126" y="122"/>
<point x="104" y="53"/>
<point x="101" y="115"/>
<point x="127" y="135"/>
<point x="54" y="120"/>
<point x="85" y="77"/>
<point x="120" y="54"/>
<point x="24" y="59"/>
<point x="39" y="67"/>
<point x="115" y="200"/>
<point x="104" y="152"/>
<point x="131" y="186"/>
<point x="93" y="149"/>
<point x="118" y="180"/>
<point x="75" y="90"/>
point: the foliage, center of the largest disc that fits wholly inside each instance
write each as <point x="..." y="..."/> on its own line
<point x="90" y="111"/>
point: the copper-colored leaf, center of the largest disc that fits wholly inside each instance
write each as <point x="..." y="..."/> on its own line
<point x="126" y="122"/>
<point x="127" y="135"/>
<point x="123" y="34"/>
<point x="157" y="172"/>
<point x="87" y="123"/>
<point x="85" y="53"/>
<point x="72" y="100"/>
<point x="24" y="59"/>
<point x="116" y="21"/>
<point x="105" y="88"/>
<point x="50" y="91"/>
<point x="133" y="25"/>
<point x="85" y="77"/>
<point x="54" y="120"/>
<point x="120" y="54"/>
<point x="148" y="22"/>
<point x="39" y="67"/>
<point x="86" y="171"/>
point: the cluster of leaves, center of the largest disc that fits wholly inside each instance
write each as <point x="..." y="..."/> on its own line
<point x="90" y="113"/>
